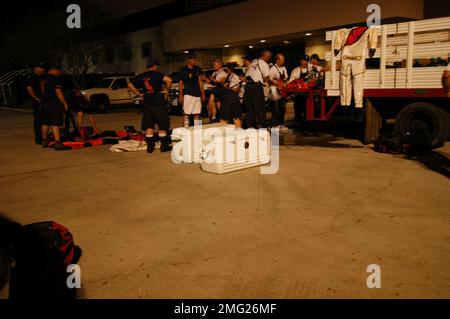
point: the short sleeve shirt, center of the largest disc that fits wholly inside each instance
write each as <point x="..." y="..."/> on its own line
<point x="219" y="75"/>
<point x="190" y="78"/>
<point x="278" y="73"/>
<point x="233" y="81"/>
<point x="258" y="70"/>
<point x="34" y="81"/>
<point x="49" y="85"/>
<point x="151" y="83"/>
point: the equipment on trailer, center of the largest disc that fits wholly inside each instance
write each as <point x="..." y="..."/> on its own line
<point x="401" y="84"/>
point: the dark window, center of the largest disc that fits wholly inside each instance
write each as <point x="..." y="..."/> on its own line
<point x="96" y="58"/>
<point x="120" y="84"/>
<point x="126" y="53"/>
<point x="146" y="49"/>
<point x="109" y="55"/>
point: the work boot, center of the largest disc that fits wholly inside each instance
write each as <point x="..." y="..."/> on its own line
<point x="150" y="144"/>
<point x="44" y="143"/>
<point x="61" y="147"/>
<point x="165" y="144"/>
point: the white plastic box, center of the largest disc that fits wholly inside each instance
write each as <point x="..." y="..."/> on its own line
<point x="239" y="149"/>
<point x="188" y="143"/>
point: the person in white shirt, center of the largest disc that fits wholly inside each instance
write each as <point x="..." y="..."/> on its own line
<point x="446" y="80"/>
<point x="231" y="105"/>
<point x="300" y="72"/>
<point x="278" y="72"/>
<point x="256" y="76"/>
<point x="217" y="79"/>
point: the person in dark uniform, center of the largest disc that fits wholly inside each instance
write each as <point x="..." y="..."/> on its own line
<point x="256" y="75"/>
<point x="231" y="105"/>
<point x="54" y="107"/>
<point x="34" y="91"/>
<point x="155" y="87"/>
<point x="80" y="105"/>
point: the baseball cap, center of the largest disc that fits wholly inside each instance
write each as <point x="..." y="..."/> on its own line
<point x="305" y="57"/>
<point x="151" y="62"/>
<point x="191" y="56"/>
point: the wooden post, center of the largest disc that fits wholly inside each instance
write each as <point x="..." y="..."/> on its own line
<point x="409" y="56"/>
<point x="373" y="123"/>
<point x="383" y="56"/>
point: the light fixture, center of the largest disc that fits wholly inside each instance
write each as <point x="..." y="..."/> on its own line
<point x="226" y="45"/>
<point x="187" y="51"/>
<point x="286" y="42"/>
<point x="250" y="46"/>
<point x="308" y="34"/>
<point x="262" y="41"/>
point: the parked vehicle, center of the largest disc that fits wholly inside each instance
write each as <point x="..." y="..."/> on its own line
<point x="110" y="91"/>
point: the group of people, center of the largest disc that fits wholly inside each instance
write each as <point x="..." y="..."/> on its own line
<point x="51" y="104"/>
<point x="224" y="101"/>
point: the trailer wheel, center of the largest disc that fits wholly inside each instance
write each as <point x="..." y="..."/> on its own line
<point x="428" y="124"/>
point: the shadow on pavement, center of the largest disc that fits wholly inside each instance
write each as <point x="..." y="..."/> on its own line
<point x="432" y="160"/>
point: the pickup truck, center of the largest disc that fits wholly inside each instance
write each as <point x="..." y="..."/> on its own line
<point x="110" y="91"/>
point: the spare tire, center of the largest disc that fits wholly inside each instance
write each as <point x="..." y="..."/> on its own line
<point x="426" y="122"/>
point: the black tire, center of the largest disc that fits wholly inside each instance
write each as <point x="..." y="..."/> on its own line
<point x="428" y="124"/>
<point x="101" y="104"/>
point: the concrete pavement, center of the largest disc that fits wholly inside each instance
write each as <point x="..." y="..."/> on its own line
<point x="153" y="229"/>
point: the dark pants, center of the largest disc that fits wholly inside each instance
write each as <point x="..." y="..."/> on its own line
<point x="299" y="110"/>
<point x="254" y="105"/>
<point x="278" y="112"/>
<point x="37" y="121"/>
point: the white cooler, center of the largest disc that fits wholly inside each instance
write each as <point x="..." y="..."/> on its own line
<point x="188" y="143"/>
<point x="240" y="149"/>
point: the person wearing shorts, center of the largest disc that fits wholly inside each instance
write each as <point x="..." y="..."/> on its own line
<point x="54" y="107"/>
<point x="155" y="87"/>
<point x="191" y="92"/>
<point x="231" y="109"/>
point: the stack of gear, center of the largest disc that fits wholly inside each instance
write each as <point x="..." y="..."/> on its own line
<point x="353" y="43"/>
<point x="394" y="143"/>
<point x="298" y="85"/>
<point x="86" y="139"/>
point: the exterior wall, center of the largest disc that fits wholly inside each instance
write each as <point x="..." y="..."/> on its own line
<point x="136" y="39"/>
<point x="234" y="54"/>
<point x="317" y="44"/>
<point x="261" y="19"/>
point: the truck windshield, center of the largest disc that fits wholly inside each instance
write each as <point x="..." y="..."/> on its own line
<point x="105" y="83"/>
